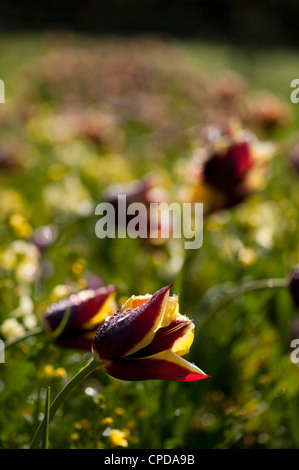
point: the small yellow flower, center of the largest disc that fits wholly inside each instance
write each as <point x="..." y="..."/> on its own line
<point x="47" y="372"/>
<point x="60" y="291"/>
<point x="75" y="437"/>
<point x="118" y="438"/>
<point x="119" y="411"/>
<point x="20" y="225"/>
<point x="77" y="267"/>
<point x="107" y="421"/>
<point x="247" y="256"/>
<point x="60" y="373"/>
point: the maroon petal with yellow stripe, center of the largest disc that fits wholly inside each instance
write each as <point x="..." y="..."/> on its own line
<point x="164" y="366"/>
<point x="131" y="330"/>
<point x="84" y="305"/>
<point x="166" y="337"/>
<point x="145" y="340"/>
<point x="86" y="311"/>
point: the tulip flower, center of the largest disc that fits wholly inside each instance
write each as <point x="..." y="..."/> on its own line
<point x="86" y="311"/>
<point x="228" y="165"/>
<point x="145" y="339"/>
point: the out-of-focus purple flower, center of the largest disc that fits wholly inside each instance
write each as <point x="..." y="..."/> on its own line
<point x="44" y="236"/>
<point x="93" y="281"/>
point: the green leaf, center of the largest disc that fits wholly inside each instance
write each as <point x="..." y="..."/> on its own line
<point x="47" y="420"/>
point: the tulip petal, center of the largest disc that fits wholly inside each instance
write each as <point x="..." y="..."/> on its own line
<point x="162" y="366"/>
<point x="107" y="308"/>
<point x="177" y="336"/>
<point x="227" y="171"/>
<point x="85" y="305"/>
<point x="182" y="344"/>
<point x="128" y="331"/>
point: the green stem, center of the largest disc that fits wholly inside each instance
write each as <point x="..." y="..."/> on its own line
<point x="240" y="290"/>
<point x="91" y="366"/>
<point x="47" y="415"/>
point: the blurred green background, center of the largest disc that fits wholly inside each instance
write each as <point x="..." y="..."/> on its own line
<point x="104" y="94"/>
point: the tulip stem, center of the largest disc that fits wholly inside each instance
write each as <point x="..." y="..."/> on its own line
<point x="90" y="367"/>
<point x="240" y="290"/>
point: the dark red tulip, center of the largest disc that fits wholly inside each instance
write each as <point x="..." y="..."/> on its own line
<point x="86" y="311"/>
<point x="145" y="340"/>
